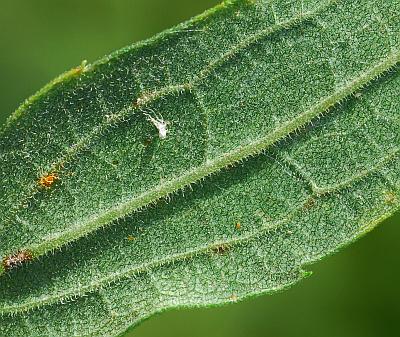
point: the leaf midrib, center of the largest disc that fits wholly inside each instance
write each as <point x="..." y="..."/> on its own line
<point x="213" y="166"/>
<point x="146" y="98"/>
<point x="78" y="230"/>
<point x="204" y="249"/>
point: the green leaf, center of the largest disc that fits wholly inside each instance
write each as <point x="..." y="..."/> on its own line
<point x="249" y="93"/>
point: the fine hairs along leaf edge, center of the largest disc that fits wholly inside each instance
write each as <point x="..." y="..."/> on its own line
<point x="87" y="67"/>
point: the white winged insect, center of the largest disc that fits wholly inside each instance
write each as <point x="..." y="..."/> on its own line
<point x="160" y="124"/>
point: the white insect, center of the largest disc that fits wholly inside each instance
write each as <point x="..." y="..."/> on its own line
<point x="160" y="124"/>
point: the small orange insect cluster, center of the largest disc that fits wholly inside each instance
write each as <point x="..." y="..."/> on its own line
<point x="48" y="180"/>
<point x="15" y="260"/>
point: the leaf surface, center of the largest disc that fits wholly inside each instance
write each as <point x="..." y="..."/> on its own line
<point x="233" y="85"/>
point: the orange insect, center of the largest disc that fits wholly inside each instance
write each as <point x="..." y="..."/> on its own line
<point x="48" y="180"/>
<point x="15" y="260"/>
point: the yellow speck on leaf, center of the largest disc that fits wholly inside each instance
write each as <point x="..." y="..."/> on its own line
<point x="233" y="298"/>
<point x="390" y="198"/>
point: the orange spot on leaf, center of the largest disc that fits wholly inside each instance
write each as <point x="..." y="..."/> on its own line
<point x="48" y="180"/>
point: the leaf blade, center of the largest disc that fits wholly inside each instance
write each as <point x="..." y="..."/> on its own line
<point x="80" y="224"/>
<point x="300" y="158"/>
<point x="113" y="261"/>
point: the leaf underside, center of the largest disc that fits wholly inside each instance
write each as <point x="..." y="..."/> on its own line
<point x="261" y="170"/>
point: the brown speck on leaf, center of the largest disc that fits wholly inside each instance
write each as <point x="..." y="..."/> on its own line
<point x="238" y="226"/>
<point x="146" y="142"/>
<point x="77" y="70"/>
<point x="82" y="67"/>
<point x="15" y="260"/>
<point x="131" y="238"/>
<point x="309" y="204"/>
<point x="135" y="104"/>
<point x="221" y="249"/>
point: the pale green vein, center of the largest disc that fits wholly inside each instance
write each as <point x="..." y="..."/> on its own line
<point x="206" y="123"/>
<point x="212" y="166"/>
<point x="135" y="319"/>
<point x="143" y="100"/>
<point x="205" y="249"/>
<point x="318" y="190"/>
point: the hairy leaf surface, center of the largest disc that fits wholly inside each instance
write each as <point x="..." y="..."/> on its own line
<point x="249" y="93"/>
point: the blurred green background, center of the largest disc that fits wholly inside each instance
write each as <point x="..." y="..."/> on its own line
<point x="354" y="293"/>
